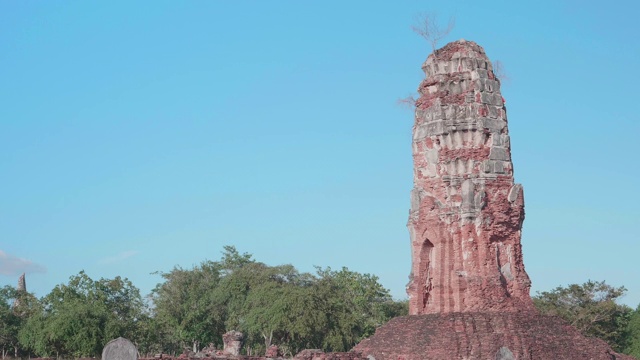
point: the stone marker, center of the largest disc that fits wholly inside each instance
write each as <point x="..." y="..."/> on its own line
<point x="120" y="349"/>
<point x="232" y="342"/>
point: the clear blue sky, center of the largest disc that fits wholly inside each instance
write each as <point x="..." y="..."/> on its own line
<point x="135" y="136"/>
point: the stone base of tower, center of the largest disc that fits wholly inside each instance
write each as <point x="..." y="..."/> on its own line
<point x="487" y="335"/>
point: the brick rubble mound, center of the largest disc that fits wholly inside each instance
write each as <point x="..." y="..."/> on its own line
<point x="499" y="336"/>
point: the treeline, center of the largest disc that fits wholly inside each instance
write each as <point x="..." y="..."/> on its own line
<point x="192" y="308"/>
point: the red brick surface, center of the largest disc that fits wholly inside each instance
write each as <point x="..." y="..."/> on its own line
<point x="527" y="335"/>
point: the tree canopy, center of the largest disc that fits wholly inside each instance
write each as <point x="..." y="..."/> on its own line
<point x="330" y="310"/>
<point x="633" y="334"/>
<point x="77" y="319"/>
<point x="192" y="307"/>
<point x="591" y="308"/>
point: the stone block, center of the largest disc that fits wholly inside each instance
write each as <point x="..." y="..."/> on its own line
<point x="494" y="125"/>
<point x="469" y="98"/>
<point x="498" y="153"/>
<point x="479" y="200"/>
<point x="449" y="112"/>
<point x="493" y="112"/>
<point x="486" y="85"/>
<point x="505" y="270"/>
<point x="455" y="88"/>
<point x="435" y="128"/>
<point x="496" y="140"/>
<point x="232" y="341"/>
<point x="514" y="192"/>
<point x="420" y="132"/>
<point x="478" y="85"/>
<point x="506" y="141"/>
<point x="431" y="155"/>
<point x="468" y="193"/>
<point x="434" y="113"/>
<point x="416" y="198"/>
<point x="487" y="166"/>
<point x="468" y="64"/>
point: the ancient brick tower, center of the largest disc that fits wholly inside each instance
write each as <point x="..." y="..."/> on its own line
<point x="466" y="212"/>
<point x="469" y="293"/>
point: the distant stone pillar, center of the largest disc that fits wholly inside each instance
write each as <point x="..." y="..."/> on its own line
<point x="22" y="284"/>
<point x="120" y="349"/>
<point x="466" y="211"/>
<point x="20" y="290"/>
<point x="232" y="342"/>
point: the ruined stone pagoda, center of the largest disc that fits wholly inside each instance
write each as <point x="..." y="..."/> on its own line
<point x="468" y="290"/>
<point x="466" y="212"/>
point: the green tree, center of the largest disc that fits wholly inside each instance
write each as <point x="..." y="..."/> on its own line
<point x="9" y="321"/>
<point x="591" y="308"/>
<point x="15" y="310"/>
<point x="188" y="308"/>
<point x="331" y="310"/>
<point x="124" y="305"/>
<point x="149" y="334"/>
<point x="633" y="334"/>
<point x="371" y="302"/>
<point x="279" y="306"/>
<point x="78" y="318"/>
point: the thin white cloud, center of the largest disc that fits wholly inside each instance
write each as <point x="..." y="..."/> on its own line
<point x="13" y="265"/>
<point x="120" y="257"/>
